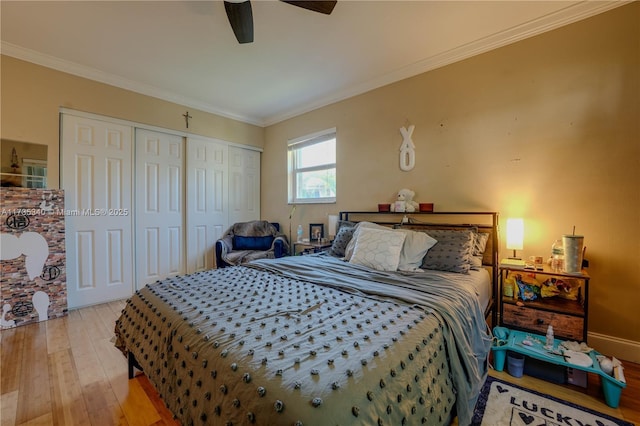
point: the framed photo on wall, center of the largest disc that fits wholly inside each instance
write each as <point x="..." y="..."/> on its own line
<point x="316" y="231"/>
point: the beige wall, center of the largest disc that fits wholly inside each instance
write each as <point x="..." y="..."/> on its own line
<point x="545" y="129"/>
<point x="32" y="96"/>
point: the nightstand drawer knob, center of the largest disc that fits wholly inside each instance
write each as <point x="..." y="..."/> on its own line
<point x="539" y="321"/>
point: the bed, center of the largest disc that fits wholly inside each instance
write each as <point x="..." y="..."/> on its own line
<point x="318" y="340"/>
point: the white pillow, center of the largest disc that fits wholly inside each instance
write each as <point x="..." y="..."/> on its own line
<point x="378" y="249"/>
<point x="413" y="251"/>
<point x="416" y="246"/>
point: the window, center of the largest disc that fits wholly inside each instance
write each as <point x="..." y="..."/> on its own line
<point x="312" y="168"/>
<point x="34" y="173"/>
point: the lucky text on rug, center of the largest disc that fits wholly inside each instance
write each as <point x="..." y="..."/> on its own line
<point x="504" y="404"/>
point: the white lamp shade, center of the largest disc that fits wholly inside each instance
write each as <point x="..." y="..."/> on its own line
<point x="515" y="234"/>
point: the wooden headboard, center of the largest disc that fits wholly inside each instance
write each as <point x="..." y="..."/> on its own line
<point x="484" y="222"/>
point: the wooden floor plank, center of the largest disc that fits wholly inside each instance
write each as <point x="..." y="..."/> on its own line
<point x="137" y="407"/>
<point x="107" y="317"/>
<point x="94" y="325"/>
<point x="102" y="404"/>
<point x="35" y="395"/>
<point x="44" y="420"/>
<point x="117" y="306"/>
<point x="165" y="414"/>
<point x="67" y="371"/>
<point x="57" y="335"/>
<point x="11" y="359"/>
<point x="66" y="392"/>
<point x="630" y="399"/>
<point x="8" y="408"/>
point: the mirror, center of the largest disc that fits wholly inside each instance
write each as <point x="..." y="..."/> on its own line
<point x="23" y="164"/>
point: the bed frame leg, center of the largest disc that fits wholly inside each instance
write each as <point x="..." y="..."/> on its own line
<point x="132" y="363"/>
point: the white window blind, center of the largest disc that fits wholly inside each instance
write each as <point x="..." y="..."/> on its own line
<point x="312" y="168"/>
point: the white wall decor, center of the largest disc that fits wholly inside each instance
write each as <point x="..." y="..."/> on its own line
<point x="407" y="149"/>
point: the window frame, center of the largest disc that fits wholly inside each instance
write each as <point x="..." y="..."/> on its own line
<point x="293" y="146"/>
<point x="35" y="173"/>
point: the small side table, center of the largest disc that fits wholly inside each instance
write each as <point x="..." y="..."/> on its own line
<point x="300" y="248"/>
<point x="568" y="317"/>
<point x="513" y="341"/>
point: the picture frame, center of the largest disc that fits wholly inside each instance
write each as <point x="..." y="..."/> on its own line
<point x="316" y="231"/>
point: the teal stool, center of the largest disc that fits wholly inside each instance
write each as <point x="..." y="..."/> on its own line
<point x="511" y="340"/>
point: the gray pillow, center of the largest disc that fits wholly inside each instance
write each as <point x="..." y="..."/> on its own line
<point x="480" y="243"/>
<point x="341" y="223"/>
<point x="452" y="252"/>
<point x="343" y="236"/>
<point x="479" y="246"/>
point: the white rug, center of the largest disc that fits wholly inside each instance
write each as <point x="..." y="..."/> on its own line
<point x="504" y="404"/>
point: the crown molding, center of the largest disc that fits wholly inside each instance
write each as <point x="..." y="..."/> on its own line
<point x="563" y="17"/>
<point x="566" y="16"/>
<point x="94" y="74"/>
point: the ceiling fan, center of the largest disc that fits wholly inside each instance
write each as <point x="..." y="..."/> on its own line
<point x="241" y="17"/>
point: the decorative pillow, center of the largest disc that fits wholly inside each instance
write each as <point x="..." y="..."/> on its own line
<point x="453" y="251"/>
<point x="476" y="263"/>
<point x="252" y="243"/>
<point x="479" y="246"/>
<point x="415" y="246"/>
<point x="378" y="249"/>
<point x="343" y="236"/>
<point x="480" y="243"/>
<point x="347" y="223"/>
<point x="348" y="251"/>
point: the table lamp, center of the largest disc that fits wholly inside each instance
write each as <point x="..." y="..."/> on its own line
<point x="515" y="236"/>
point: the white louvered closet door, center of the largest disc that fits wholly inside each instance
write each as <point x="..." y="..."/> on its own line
<point x="96" y="175"/>
<point x="159" y="201"/>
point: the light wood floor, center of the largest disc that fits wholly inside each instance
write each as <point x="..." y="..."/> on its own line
<point x="66" y="371"/>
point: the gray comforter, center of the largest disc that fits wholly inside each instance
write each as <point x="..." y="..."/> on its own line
<point x="468" y="339"/>
<point x="309" y="340"/>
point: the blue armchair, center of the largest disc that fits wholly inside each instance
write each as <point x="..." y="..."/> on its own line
<point x="247" y="241"/>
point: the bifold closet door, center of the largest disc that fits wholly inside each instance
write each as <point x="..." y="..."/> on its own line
<point x="96" y="175"/>
<point x="159" y="212"/>
<point x="207" y="200"/>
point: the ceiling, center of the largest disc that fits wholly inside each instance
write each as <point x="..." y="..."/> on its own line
<point x="185" y="51"/>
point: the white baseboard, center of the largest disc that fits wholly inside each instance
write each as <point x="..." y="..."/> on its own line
<point x="624" y="350"/>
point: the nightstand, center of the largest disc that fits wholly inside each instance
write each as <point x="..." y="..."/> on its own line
<point x="568" y="317"/>
<point x="309" y="247"/>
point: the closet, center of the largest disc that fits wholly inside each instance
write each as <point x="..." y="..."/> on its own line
<point x="146" y="203"/>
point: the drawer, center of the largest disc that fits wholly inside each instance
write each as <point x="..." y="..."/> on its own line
<point x="537" y="321"/>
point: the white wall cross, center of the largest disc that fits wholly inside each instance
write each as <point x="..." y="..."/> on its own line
<point x="407" y="149"/>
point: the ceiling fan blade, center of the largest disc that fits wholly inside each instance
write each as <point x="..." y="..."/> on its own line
<point x="241" y="19"/>
<point x="325" y="7"/>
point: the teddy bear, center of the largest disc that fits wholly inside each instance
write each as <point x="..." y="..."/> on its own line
<point x="404" y="201"/>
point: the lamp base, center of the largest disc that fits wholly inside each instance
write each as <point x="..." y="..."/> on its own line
<point x="519" y="263"/>
<point x="513" y="260"/>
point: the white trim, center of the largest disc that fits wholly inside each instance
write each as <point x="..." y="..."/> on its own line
<point x="623" y="349"/>
<point x="83" y="71"/>
<point x="314" y="135"/>
<point x="566" y="16"/>
<point x="90" y="115"/>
